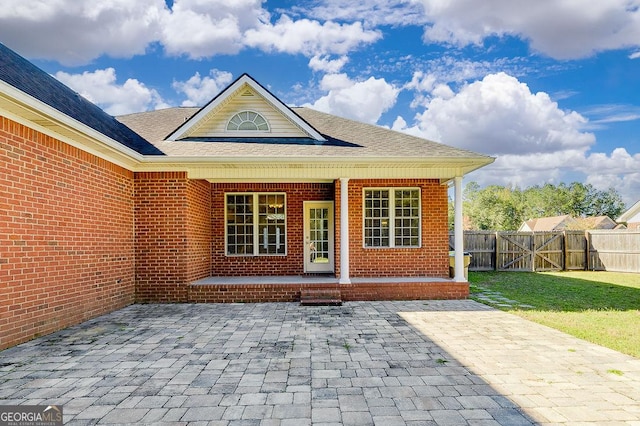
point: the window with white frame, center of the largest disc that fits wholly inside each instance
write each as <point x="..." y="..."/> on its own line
<point x="391" y="217"/>
<point x="248" y="121"/>
<point x="255" y="224"/>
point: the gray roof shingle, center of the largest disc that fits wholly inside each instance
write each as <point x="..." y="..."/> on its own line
<point x="146" y="132"/>
<point x="346" y="138"/>
<point x="28" y="78"/>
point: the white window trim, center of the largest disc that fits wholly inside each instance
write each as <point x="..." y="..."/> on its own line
<point x="256" y="222"/>
<point x="392" y="216"/>
<point x="247" y="132"/>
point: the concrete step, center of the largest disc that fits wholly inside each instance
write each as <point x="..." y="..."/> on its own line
<point x="320" y="297"/>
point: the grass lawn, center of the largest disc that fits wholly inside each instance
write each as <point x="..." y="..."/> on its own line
<point x="601" y="307"/>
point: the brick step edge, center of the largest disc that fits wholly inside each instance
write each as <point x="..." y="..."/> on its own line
<point x="321" y="297"/>
<point x="321" y="302"/>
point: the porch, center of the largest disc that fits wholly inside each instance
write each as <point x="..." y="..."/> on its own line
<point x="255" y="289"/>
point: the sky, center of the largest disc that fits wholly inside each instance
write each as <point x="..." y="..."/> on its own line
<point x="551" y="88"/>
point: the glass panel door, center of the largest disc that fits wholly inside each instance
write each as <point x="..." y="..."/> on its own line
<point x="318" y="236"/>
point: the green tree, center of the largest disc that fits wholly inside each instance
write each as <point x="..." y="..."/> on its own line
<point x="494" y="207"/>
<point x="505" y="208"/>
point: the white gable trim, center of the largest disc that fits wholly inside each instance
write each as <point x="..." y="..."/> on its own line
<point x="230" y="90"/>
<point x="631" y="213"/>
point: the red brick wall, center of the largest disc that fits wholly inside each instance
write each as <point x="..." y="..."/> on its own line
<point x="252" y="293"/>
<point x="161" y="237"/>
<point x="66" y="235"/>
<point x="173" y="235"/>
<point x="198" y="229"/>
<point x="430" y="260"/>
<point x="292" y="263"/>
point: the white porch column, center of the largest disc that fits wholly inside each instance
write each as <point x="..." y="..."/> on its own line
<point x="344" y="231"/>
<point x="458" y="232"/>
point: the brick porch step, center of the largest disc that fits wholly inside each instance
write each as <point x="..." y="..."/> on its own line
<point x="318" y="297"/>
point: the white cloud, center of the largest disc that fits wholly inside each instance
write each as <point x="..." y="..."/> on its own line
<point x="204" y="28"/>
<point x="309" y="37"/>
<point x="533" y="139"/>
<point x="619" y="170"/>
<point x="612" y="113"/>
<point x="373" y="12"/>
<point x="325" y="64"/>
<point x="101" y="88"/>
<point x="562" y="29"/>
<point x="200" y="90"/>
<point x="619" y="162"/>
<point x="73" y="32"/>
<point x="499" y="115"/>
<point x="364" y="100"/>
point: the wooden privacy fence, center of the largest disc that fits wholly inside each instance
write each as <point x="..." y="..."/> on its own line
<point x="552" y="251"/>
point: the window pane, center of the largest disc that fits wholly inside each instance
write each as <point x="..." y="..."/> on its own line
<point x="269" y="214"/>
<point x="376" y="213"/>
<point x="239" y="224"/>
<point x="248" y="125"/>
<point x="407" y="223"/>
<point x="271" y="220"/>
<point x="247" y="121"/>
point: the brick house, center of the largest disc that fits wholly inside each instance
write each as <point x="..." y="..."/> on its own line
<point x="243" y="200"/>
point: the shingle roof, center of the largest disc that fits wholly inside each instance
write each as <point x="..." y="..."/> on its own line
<point x="550" y="223"/>
<point x="146" y="132"/>
<point x="26" y="77"/>
<point x="346" y="138"/>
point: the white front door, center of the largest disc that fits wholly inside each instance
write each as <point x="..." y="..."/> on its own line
<point x="318" y="236"/>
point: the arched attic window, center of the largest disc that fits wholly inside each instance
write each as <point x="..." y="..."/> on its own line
<point x="248" y="121"/>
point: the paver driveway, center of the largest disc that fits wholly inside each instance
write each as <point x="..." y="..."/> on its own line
<point x="384" y="363"/>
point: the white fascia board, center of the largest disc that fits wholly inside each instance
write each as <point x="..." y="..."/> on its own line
<point x="310" y="168"/>
<point x="275" y="161"/>
<point x="630" y="213"/>
<point x="103" y="144"/>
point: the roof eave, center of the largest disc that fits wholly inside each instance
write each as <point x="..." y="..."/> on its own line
<point x="314" y="168"/>
<point x="31" y="112"/>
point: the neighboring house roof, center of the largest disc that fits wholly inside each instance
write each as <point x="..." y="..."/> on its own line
<point x="632" y="215"/>
<point x="552" y="223"/>
<point x="564" y="222"/>
<point x="595" y="222"/>
<point x="31" y="80"/>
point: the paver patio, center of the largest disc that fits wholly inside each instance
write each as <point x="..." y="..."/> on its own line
<point x="383" y="363"/>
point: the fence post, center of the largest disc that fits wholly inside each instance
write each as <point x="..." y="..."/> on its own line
<point x="533" y="251"/>
<point x="497" y="251"/>
<point x="587" y="250"/>
<point x="565" y="250"/>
